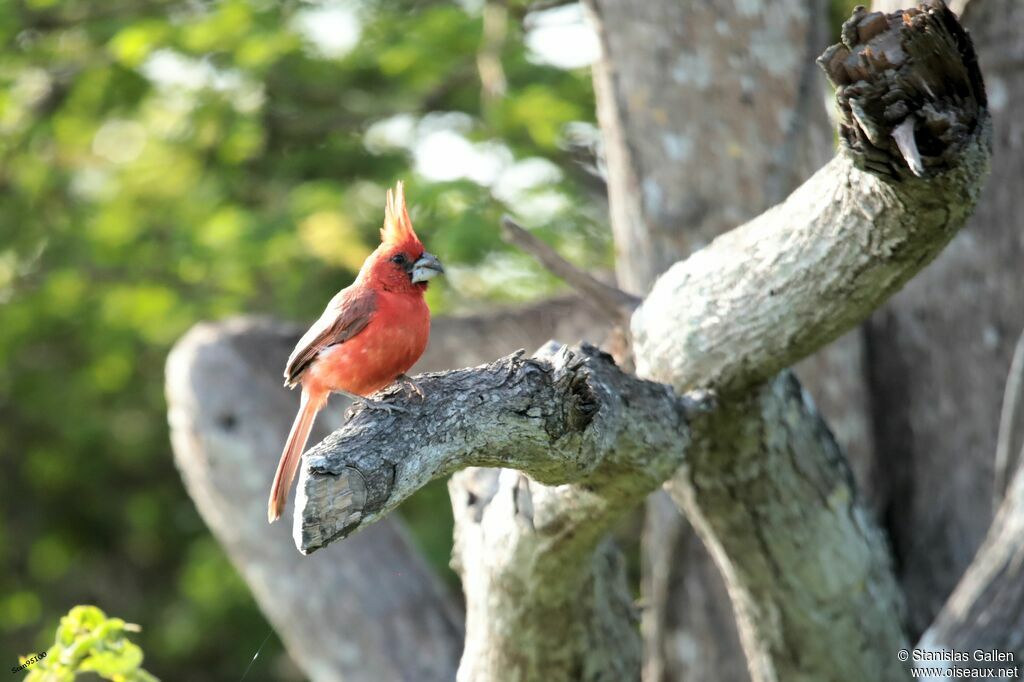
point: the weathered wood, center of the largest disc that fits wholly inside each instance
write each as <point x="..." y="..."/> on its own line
<point x="546" y="599"/>
<point x="573" y="419"/>
<point x="226" y="404"/>
<point x="229" y="416"/>
<point x="765" y="295"/>
<point x="541" y="602"/>
<point x="809" y="573"/>
<point x="712" y="112"/>
<point x="578" y="420"/>
<point x="940" y="350"/>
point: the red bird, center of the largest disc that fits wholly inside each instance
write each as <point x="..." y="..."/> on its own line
<point x="371" y="333"/>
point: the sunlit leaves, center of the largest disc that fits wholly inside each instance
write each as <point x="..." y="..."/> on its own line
<point x="163" y="163"/>
<point x="89" y="642"/>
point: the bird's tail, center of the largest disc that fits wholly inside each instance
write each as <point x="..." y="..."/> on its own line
<point x="293" y="450"/>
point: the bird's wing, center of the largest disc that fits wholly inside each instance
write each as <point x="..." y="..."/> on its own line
<point x="346" y="315"/>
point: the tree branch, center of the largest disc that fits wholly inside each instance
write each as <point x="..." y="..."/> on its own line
<point x="774" y="500"/>
<point x="229" y="416"/>
<point x="986" y="610"/>
<point x="764" y="473"/>
<point x="1010" y="444"/>
<point x="543" y="602"/>
<point x="765" y="295"/>
<point x="613" y="303"/>
<point x="573" y="418"/>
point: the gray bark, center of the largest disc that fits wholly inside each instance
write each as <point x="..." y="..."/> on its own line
<point x="754" y="465"/>
<point x="229" y="416"/>
<point x="853" y="234"/>
<point x="226" y="405"/>
<point x="802" y="273"/>
<point x="519" y="563"/>
<point x="564" y="422"/>
<point x="690" y="151"/>
<point x="711" y="112"/>
<point x="807" y="568"/>
<point x="545" y="596"/>
<point x="986" y="611"/>
<point x="573" y="419"/>
<point x="939" y="351"/>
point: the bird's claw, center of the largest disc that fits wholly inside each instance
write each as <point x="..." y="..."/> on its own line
<point x="407" y="381"/>
<point x="367" y="404"/>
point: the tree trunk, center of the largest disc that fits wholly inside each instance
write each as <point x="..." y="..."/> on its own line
<point x="757" y="469"/>
<point x="705" y="127"/>
<point x="230" y="416"/>
<point x="764" y="497"/>
<point x="744" y="449"/>
<point x="940" y="350"/>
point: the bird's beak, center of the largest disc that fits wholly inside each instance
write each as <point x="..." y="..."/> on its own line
<point x="427" y="267"/>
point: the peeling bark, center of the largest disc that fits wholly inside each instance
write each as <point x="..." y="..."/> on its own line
<point x="575" y="418"/>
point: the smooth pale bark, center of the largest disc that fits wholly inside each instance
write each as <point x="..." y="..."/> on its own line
<point x="227" y="406"/>
<point x="340" y="615"/>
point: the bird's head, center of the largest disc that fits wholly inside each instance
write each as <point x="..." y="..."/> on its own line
<point x="400" y="263"/>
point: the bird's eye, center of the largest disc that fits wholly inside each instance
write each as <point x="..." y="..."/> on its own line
<point x="399" y="258"/>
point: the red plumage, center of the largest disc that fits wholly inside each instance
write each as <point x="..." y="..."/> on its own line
<point x="370" y="333"/>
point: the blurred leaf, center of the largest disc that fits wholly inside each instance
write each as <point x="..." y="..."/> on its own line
<point x="163" y="163"/>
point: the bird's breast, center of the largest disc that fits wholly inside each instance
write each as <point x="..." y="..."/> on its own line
<point x="390" y="345"/>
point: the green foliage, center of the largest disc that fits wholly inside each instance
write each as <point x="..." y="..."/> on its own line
<point x="166" y="162"/>
<point x="89" y="642"/>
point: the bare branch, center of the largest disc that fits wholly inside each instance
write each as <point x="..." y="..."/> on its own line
<point x="229" y="416"/>
<point x="770" y="493"/>
<point x="1010" y="442"/>
<point x="986" y="610"/>
<point x="614" y="303"/>
<point x="765" y="295"/>
<point x="575" y="418"/>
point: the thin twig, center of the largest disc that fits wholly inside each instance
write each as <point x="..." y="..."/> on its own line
<point x="1011" y="425"/>
<point x="611" y="301"/>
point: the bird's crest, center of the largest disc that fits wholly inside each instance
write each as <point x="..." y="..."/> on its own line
<point x="397" y="225"/>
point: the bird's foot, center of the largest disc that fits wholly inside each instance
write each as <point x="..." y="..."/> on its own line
<point x="367" y="404"/>
<point x="413" y="387"/>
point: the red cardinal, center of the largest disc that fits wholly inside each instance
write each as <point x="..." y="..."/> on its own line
<point x="370" y="334"/>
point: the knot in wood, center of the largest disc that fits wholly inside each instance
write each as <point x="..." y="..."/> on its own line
<point x="908" y="88"/>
